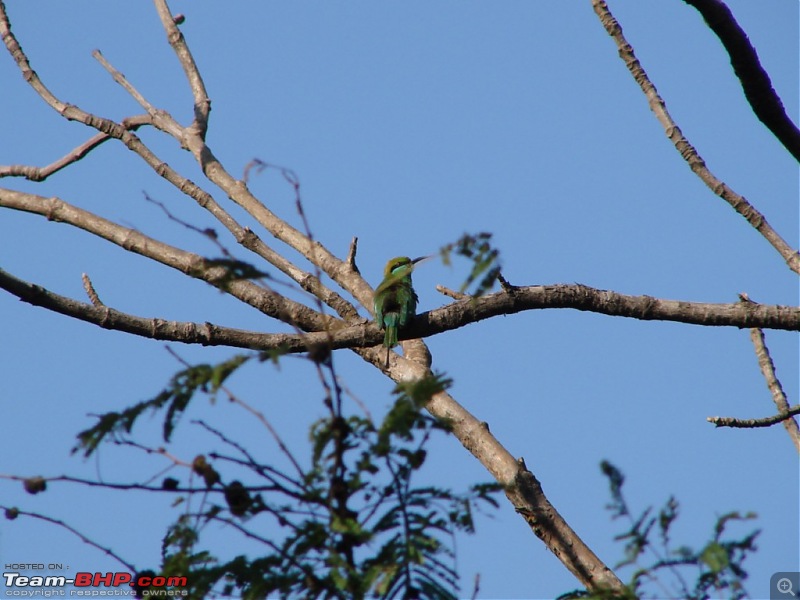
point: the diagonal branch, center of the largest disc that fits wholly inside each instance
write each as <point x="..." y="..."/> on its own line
<point x="767" y="367"/>
<point x="756" y="84"/>
<point x="120" y="79"/>
<point x="264" y="300"/>
<point x="686" y="150"/>
<point x="521" y="486"/>
<point x="32" y="173"/>
<point x="778" y="395"/>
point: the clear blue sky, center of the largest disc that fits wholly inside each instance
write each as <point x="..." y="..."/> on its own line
<point x="409" y="124"/>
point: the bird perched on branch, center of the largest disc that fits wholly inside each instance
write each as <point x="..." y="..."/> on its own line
<point x="395" y="299"/>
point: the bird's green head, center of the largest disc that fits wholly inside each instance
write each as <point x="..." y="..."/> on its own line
<point x="397" y="265"/>
<point x="401" y="265"/>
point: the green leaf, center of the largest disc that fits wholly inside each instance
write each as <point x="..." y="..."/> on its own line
<point x="176" y="396"/>
<point x="484" y="258"/>
<point x="715" y="556"/>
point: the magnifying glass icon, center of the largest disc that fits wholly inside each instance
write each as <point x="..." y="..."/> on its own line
<point x="784" y="586"/>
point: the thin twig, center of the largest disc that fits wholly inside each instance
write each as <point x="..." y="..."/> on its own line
<point x="504" y="284"/>
<point x="265" y="471"/>
<point x="767" y="366"/>
<point x="120" y="79"/>
<point x="72" y="530"/>
<point x="177" y="462"/>
<point x="135" y="486"/>
<point x="361" y="404"/>
<point x="273" y="432"/>
<point x="161" y="119"/>
<point x="784" y="416"/>
<point x="446" y="291"/>
<point x="33" y="173"/>
<point x="90" y="291"/>
<point x="351" y="255"/>
<point x="686" y="150"/>
<point x="256" y="413"/>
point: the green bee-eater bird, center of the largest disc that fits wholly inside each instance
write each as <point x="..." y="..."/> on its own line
<point x="395" y="299"/>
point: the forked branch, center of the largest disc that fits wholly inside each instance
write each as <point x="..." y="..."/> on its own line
<point x="767" y="366"/>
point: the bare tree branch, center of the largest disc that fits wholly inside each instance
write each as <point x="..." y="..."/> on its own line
<point x="120" y="79"/>
<point x="783" y="416"/>
<point x="351" y="255"/>
<point x="41" y="173"/>
<point x="521" y="487"/>
<point x="135" y="486"/>
<point x="90" y="291"/>
<point x="206" y="334"/>
<point x="585" y="298"/>
<point x="756" y="83"/>
<point x="237" y="190"/>
<point x="202" y="103"/>
<point x="9" y="511"/>
<point x="778" y="395"/>
<point x="767" y="366"/>
<point x="166" y="123"/>
<point x="310" y="283"/>
<point x="427" y="324"/>
<point x="686" y="150"/>
<point x="266" y="301"/>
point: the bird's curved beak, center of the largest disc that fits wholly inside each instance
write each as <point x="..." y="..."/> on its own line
<point x="422" y="259"/>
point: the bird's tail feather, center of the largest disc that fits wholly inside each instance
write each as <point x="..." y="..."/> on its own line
<point x="390" y="337"/>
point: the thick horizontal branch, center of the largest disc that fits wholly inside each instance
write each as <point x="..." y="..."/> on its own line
<point x="206" y="334"/>
<point x="583" y="297"/>
<point x="452" y="316"/>
<point x="756" y="84"/>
